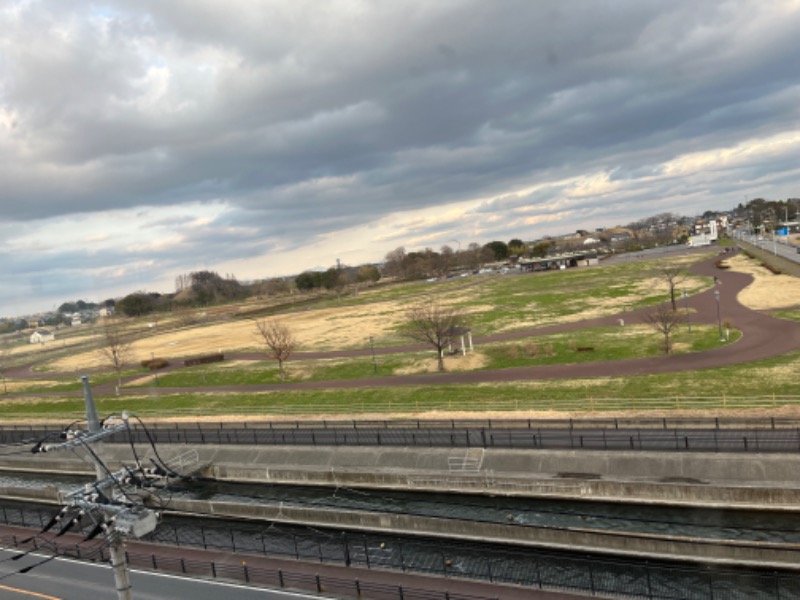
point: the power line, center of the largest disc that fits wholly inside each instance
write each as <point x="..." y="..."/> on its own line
<point x="114" y="511"/>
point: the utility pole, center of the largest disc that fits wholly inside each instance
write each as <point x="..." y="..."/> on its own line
<point x="116" y="545"/>
<point x="114" y="515"/>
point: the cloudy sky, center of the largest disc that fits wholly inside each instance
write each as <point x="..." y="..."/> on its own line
<point x="142" y="139"/>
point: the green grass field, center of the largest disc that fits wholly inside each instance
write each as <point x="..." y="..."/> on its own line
<point x="770" y="384"/>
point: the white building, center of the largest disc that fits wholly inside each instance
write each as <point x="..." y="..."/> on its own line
<point x="40" y="336"/>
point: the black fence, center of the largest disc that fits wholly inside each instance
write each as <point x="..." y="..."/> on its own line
<point x="243" y="573"/>
<point x="535" y="569"/>
<point x="658" y="435"/>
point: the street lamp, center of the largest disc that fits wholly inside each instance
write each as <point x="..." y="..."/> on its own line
<point x="719" y="318"/>
<point x="686" y="304"/>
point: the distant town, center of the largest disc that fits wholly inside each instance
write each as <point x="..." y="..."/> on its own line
<point x="759" y="217"/>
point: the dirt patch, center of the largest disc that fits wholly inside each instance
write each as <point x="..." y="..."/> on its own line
<point x="141" y="381"/>
<point x="768" y="291"/>
<point x="470" y="362"/>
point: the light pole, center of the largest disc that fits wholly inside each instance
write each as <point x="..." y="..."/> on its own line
<point x="686" y="304"/>
<point x="372" y="347"/>
<point x="719" y="318"/>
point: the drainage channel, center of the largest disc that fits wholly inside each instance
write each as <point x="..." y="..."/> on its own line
<point x="701" y="523"/>
<point x="541" y="569"/>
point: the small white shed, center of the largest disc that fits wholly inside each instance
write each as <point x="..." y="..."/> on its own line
<point x="40" y="336"/>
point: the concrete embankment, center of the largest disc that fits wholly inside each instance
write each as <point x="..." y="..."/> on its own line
<point x="727" y="480"/>
<point x="760" y="481"/>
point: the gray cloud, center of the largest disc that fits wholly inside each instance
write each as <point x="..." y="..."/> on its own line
<point x="307" y="120"/>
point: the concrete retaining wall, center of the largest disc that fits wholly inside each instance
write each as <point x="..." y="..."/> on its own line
<point x="767" y="481"/>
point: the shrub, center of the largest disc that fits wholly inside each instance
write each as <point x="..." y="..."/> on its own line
<point x="155" y="363"/>
<point x="201" y="360"/>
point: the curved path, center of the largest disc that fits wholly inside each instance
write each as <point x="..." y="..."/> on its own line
<point x="763" y="337"/>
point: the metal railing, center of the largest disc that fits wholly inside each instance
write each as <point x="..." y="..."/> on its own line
<point x="244" y="573"/>
<point x="658" y="435"/>
<point x="536" y="569"/>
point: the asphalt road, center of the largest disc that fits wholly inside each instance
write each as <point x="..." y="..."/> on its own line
<point x="774" y="247"/>
<point x="64" y="579"/>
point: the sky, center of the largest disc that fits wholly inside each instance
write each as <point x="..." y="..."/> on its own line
<point x="143" y="139"/>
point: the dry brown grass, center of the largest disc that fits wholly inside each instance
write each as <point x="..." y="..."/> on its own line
<point x="470" y="362"/>
<point x="16" y="386"/>
<point x="324" y="329"/>
<point x="768" y="291"/>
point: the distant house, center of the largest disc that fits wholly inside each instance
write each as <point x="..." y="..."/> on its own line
<point x="40" y="336"/>
<point x="76" y="320"/>
<point x="106" y="311"/>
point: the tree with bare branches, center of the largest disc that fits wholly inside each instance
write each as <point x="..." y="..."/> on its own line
<point x="673" y="276"/>
<point x="115" y="346"/>
<point x="665" y="321"/>
<point x="433" y="324"/>
<point x="278" y="341"/>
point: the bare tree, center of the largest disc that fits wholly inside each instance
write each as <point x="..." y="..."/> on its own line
<point x="665" y="321"/>
<point x="278" y="341"/>
<point x="433" y="324"/>
<point x="673" y="276"/>
<point x="115" y="347"/>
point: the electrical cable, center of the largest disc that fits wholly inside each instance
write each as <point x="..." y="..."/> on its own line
<point x="172" y="472"/>
<point x="106" y="469"/>
<point x="133" y="447"/>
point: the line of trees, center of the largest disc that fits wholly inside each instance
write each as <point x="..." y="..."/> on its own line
<point x="429" y="263"/>
<point x="337" y="278"/>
